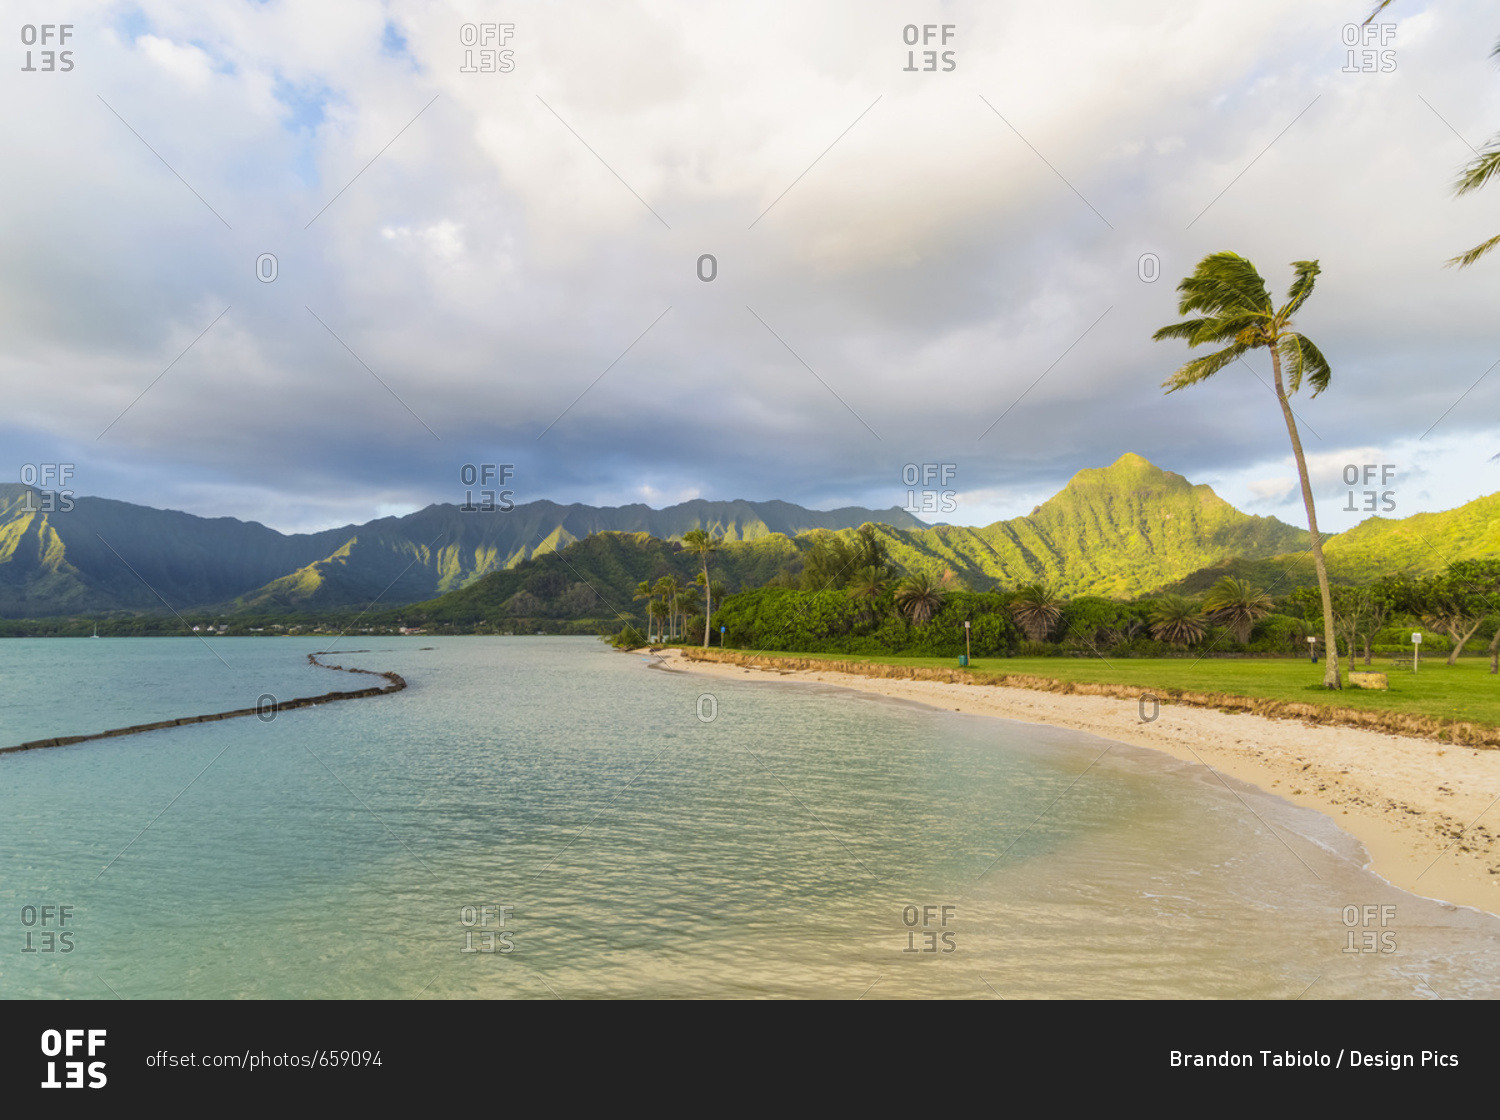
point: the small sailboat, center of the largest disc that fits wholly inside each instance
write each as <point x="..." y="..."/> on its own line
<point x="96" y="629"/>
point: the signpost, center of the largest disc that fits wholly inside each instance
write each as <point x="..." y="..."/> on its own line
<point x="968" y="649"/>
<point x="1312" y="650"/>
<point x="1416" y="648"/>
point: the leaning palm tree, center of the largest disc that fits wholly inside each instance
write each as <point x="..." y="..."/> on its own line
<point x="1176" y="620"/>
<point x="1237" y="309"/>
<point x="1236" y="605"/>
<point x="919" y="596"/>
<point x="1036" y="609"/>
<point x="704" y="544"/>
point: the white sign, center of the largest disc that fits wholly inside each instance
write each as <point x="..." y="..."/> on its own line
<point x="1416" y="639"/>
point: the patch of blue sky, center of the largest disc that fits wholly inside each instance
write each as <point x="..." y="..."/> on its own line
<point x="132" y="23"/>
<point x="305" y="111"/>
<point x="392" y="42"/>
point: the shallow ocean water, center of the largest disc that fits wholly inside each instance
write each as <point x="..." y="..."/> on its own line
<point x="540" y="817"/>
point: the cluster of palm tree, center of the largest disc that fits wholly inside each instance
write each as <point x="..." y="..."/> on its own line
<point x="1230" y="603"/>
<point x="918" y="596"/>
<point x="1038" y="609"/>
<point x="668" y="599"/>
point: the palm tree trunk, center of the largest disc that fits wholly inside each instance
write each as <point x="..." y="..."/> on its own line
<point x="1331" y="678"/>
<point x="708" y="602"/>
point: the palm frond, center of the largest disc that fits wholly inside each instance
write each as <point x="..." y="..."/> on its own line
<point x="1464" y="260"/>
<point x="1185" y="329"/>
<point x="1302" y="358"/>
<point x="1199" y="332"/>
<point x="1224" y="284"/>
<point x="1306" y="276"/>
<point x="1481" y="171"/>
<point x="1382" y="6"/>
<point x="1200" y="369"/>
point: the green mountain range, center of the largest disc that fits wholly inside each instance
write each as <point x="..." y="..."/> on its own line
<point x="104" y="555"/>
<point x="1124" y="530"/>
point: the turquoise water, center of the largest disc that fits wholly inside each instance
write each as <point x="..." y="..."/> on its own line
<point x="612" y="829"/>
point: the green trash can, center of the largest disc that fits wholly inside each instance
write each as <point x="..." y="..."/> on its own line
<point x="963" y="660"/>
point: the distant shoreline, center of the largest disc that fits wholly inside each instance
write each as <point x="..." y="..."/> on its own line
<point x="1417" y="805"/>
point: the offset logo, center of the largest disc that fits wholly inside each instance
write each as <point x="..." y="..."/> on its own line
<point x="483" y="916"/>
<point x="45" y="930"/>
<point x="67" y="1044"/>
<point x="934" y="934"/>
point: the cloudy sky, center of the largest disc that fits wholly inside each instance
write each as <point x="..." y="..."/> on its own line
<point x="500" y="258"/>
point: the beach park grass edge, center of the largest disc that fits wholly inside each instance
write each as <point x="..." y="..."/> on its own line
<point x="1456" y="704"/>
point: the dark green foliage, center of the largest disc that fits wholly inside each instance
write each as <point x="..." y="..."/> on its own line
<point x="778" y="618"/>
<point x="628" y="638"/>
<point x="836" y="560"/>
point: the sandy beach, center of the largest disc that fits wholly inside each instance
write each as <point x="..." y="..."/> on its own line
<point x="1424" y="810"/>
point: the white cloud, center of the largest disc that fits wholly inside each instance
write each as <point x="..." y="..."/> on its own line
<point x="1273" y="489"/>
<point x="922" y="273"/>
<point x="185" y="62"/>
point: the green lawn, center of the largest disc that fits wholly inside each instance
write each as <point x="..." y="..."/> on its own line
<point x="1465" y="691"/>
